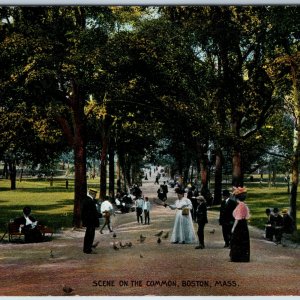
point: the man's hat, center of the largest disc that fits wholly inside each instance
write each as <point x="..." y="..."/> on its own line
<point x="201" y="198"/>
<point x="93" y="191"/>
<point x="284" y="211"/>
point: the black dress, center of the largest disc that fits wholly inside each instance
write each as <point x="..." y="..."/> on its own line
<point x="240" y="241"/>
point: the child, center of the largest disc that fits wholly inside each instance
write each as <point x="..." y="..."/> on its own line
<point x="146" y="208"/>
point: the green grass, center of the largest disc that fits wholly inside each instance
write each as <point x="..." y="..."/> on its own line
<point x="51" y="205"/>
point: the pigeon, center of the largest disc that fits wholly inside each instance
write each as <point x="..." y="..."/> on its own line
<point x="142" y="238"/>
<point x="141" y="256"/>
<point x="158" y="240"/>
<point x="129" y="244"/>
<point x="212" y="231"/>
<point x="67" y="289"/>
<point x="95" y="245"/>
<point x="123" y="246"/>
<point x="159" y="234"/>
<point x="166" y="235"/>
<point x="51" y="254"/>
<point x="114" y="235"/>
<point x="115" y="246"/>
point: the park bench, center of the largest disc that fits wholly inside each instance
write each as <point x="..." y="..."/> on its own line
<point x="14" y="232"/>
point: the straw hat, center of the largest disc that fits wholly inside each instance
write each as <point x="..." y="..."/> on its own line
<point x="239" y="190"/>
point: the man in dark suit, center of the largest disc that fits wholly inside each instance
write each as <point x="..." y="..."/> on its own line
<point x="226" y="219"/>
<point x="28" y="225"/>
<point x="90" y="220"/>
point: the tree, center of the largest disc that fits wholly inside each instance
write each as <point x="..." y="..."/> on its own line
<point x="55" y="61"/>
<point x="284" y="70"/>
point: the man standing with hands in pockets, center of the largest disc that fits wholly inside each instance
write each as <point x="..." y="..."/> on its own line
<point x="226" y="219"/>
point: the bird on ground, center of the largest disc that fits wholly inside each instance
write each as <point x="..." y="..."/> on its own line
<point x="158" y="240"/>
<point x="141" y="256"/>
<point x="122" y="246"/>
<point x="67" y="289"/>
<point x="114" y="235"/>
<point x="129" y="244"/>
<point x="115" y="246"/>
<point x="51" y="254"/>
<point x="142" y="239"/>
<point x="159" y="234"/>
<point x="95" y="245"/>
<point x="166" y="235"/>
<point x="212" y="231"/>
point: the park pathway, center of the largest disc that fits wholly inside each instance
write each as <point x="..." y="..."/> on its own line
<point x="147" y="268"/>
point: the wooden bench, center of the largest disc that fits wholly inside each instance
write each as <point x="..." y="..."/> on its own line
<point x="14" y="232"/>
<point x="45" y="230"/>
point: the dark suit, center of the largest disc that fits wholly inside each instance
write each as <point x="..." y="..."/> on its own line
<point x="201" y="217"/>
<point x="32" y="235"/>
<point x="90" y="220"/>
<point x="226" y="219"/>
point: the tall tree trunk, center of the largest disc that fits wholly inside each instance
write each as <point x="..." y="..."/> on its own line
<point x="295" y="175"/>
<point x="80" y="175"/>
<point x="296" y="146"/>
<point x="75" y="134"/>
<point x="103" y="164"/>
<point x="111" y="186"/>
<point x="218" y="177"/>
<point x="79" y="160"/>
<point x="204" y="172"/>
<point x="237" y="175"/>
<point x="12" y="174"/>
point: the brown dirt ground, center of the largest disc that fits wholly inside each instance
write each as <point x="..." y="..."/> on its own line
<point x="147" y="268"/>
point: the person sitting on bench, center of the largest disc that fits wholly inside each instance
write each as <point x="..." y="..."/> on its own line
<point x="28" y="225"/>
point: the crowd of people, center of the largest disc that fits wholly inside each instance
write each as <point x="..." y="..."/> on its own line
<point x="233" y="216"/>
<point x="192" y="208"/>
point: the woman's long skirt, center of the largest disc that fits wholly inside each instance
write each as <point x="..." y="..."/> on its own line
<point x="240" y="243"/>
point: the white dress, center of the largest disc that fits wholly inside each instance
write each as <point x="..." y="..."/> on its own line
<point x="183" y="230"/>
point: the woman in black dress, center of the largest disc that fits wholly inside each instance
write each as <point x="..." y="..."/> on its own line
<point x="240" y="241"/>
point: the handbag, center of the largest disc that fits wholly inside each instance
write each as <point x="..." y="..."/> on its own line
<point x="185" y="211"/>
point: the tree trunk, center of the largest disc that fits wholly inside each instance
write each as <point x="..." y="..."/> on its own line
<point x="237" y="174"/>
<point x="204" y="172"/>
<point x="296" y="147"/>
<point x="12" y="174"/>
<point x="103" y="163"/>
<point x="80" y="177"/>
<point x="75" y="134"/>
<point x="80" y="161"/>
<point x="111" y="186"/>
<point x="218" y="177"/>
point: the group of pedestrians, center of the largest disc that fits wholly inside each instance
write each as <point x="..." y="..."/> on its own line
<point x="233" y="219"/>
<point x="278" y="225"/>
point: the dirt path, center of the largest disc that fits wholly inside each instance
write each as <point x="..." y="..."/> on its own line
<point x="147" y="268"/>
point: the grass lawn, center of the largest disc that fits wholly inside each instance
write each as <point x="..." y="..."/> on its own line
<point x="51" y="205"/>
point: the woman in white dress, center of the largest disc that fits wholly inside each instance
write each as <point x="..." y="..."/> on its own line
<point x="183" y="230"/>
